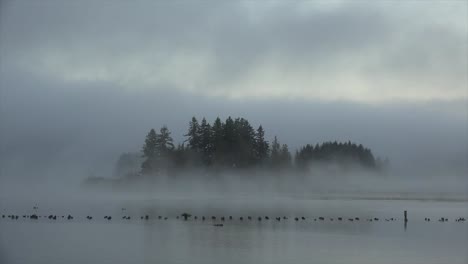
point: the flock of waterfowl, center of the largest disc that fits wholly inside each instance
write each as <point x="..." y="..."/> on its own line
<point x="219" y="220"/>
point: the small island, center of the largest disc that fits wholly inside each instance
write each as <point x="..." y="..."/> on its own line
<point x="234" y="145"/>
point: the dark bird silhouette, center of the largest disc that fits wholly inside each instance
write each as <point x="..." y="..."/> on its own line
<point x="267" y="218"/>
<point x="340" y="218"/>
<point x="278" y="219"/>
<point x="295" y="218"/>
<point x="259" y="219"/>
<point x="230" y="217"/>
<point x="241" y="218"/>
<point x="34" y="217"/>
<point x="303" y="218"/>
<point x="321" y="218"/>
<point x="186" y="215"/>
<point x="249" y="217"/>
<point x="222" y="218"/>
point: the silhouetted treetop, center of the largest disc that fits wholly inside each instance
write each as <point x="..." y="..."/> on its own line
<point x="342" y="153"/>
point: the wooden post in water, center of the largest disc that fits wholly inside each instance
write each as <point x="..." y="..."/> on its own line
<point x="406" y="216"/>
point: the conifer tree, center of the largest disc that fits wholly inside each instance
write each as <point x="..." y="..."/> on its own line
<point x="285" y="156"/>
<point x="217" y="132"/>
<point x="165" y="141"/>
<point x="261" y="146"/>
<point x="275" y="152"/>
<point x="193" y="135"/>
<point x="150" y="153"/>
<point x="205" y="145"/>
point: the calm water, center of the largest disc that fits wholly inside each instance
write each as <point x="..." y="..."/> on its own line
<point x="176" y="241"/>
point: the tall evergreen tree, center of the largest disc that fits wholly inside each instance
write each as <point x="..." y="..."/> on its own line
<point x="150" y="153"/>
<point x="275" y="152"/>
<point x="244" y="143"/>
<point x="206" y="144"/>
<point x="217" y="132"/>
<point x="193" y="135"/>
<point x="165" y="141"/>
<point x="261" y="146"/>
<point x="285" y="156"/>
<point x="229" y="139"/>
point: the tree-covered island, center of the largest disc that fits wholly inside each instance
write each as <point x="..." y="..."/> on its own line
<point x="234" y="144"/>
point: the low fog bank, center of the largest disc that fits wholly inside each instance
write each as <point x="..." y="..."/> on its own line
<point x="325" y="181"/>
<point x="319" y="182"/>
<point x="253" y="185"/>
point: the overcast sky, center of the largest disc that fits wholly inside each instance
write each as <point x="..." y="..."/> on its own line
<point x="83" y="81"/>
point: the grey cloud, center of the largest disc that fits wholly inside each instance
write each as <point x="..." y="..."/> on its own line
<point x="363" y="39"/>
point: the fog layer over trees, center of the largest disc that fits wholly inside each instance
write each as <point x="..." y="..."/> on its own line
<point x="235" y="145"/>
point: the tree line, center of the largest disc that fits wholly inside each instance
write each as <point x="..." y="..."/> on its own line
<point x="342" y="153"/>
<point x="235" y="144"/>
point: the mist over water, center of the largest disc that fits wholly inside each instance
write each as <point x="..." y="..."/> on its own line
<point x="321" y="192"/>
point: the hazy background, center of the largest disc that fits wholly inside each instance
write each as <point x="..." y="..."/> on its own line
<point x="81" y="82"/>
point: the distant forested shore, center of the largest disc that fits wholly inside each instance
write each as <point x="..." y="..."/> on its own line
<point x="235" y="145"/>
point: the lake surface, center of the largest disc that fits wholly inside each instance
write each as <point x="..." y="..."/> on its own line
<point x="194" y="241"/>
